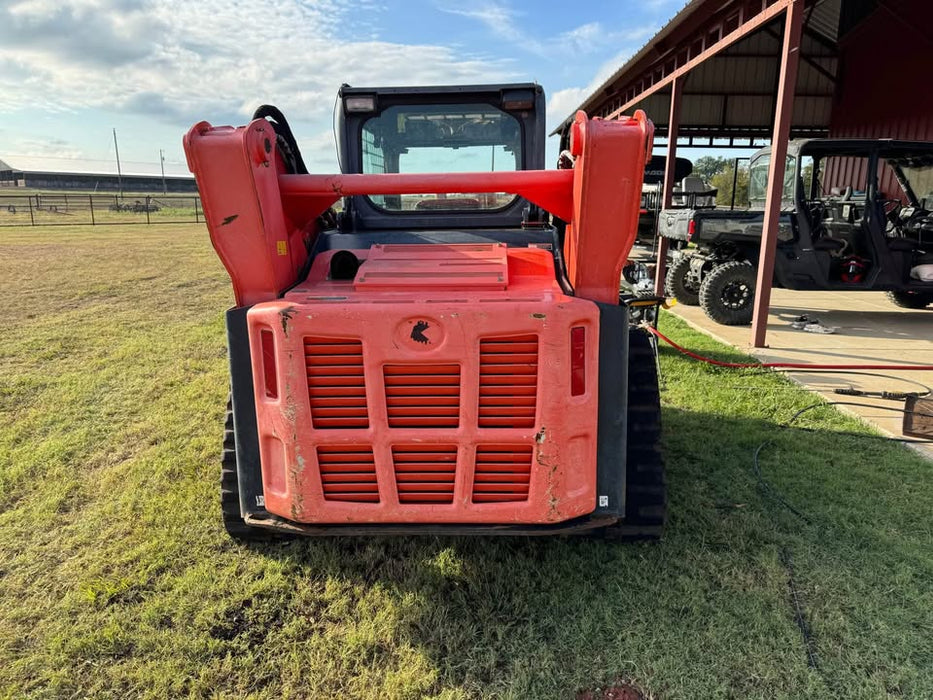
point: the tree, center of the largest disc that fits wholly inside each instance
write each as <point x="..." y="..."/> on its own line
<point x="722" y="181"/>
<point x="706" y="167"/>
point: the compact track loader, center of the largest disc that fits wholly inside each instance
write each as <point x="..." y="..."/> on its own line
<point x="445" y="352"/>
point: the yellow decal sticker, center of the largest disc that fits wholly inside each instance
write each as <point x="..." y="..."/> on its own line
<point x="282" y="247"/>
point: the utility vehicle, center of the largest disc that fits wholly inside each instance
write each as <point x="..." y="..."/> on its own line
<point x="447" y="353"/>
<point x="856" y="215"/>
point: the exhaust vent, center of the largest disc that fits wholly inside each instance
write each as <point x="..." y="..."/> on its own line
<point x="348" y="473"/>
<point x="425" y="473"/>
<point x="508" y="381"/>
<point x="336" y="384"/>
<point x="422" y="396"/>
<point x="502" y="473"/>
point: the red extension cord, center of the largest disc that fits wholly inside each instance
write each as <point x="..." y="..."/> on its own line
<point x="777" y="365"/>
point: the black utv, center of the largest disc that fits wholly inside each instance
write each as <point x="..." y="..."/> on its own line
<point x="855" y="215"/>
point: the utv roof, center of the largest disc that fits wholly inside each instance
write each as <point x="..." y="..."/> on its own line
<point x="888" y="148"/>
<point x="437" y="89"/>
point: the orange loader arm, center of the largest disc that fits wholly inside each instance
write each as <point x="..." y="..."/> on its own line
<point x="262" y="221"/>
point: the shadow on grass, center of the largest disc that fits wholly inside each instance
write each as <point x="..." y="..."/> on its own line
<point x="706" y="609"/>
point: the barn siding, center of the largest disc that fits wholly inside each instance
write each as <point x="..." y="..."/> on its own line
<point x="884" y="85"/>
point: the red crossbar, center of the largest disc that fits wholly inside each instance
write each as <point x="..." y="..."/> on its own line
<point x="549" y="189"/>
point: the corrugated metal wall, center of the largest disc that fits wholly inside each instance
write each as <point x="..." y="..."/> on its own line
<point x="884" y="91"/>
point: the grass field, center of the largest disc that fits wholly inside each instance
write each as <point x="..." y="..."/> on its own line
<point x="116" y="580"/>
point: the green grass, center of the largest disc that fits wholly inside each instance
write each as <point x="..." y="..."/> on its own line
<point x="117" y="581"/>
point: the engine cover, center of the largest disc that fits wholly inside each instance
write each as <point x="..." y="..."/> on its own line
<point x="442" y="384"/>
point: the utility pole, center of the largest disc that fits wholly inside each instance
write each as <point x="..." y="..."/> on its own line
<point x="162" y="163"/>
<point x="119" y="172"/>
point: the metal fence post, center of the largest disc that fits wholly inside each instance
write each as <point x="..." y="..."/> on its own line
<point x="32" y="219"/>
<point x="197" y="219"/>
<point x="147" y="208"/>
<point x="90" y="201"/>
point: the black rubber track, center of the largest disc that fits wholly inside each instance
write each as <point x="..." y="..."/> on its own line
<point x="676" y="283"/>
<point x="717" y="286"/>
<point x="645" y="480"/>
<point x="911" y="300"/>
<point x="230" y="490"/>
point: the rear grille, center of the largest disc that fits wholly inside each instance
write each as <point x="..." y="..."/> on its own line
<point x="348" y="473"/>
<point x="336" y="385"/>
<point x="425" y="473"/>
<point x="422" y="396"/>
<point x="508" y="382"/>
<point x="502" y="473"/>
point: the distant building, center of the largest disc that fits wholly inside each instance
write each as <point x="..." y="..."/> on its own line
<point x="91" y="176"/>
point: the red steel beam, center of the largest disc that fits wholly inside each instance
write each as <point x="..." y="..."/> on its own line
<point x="673" y="121"/>
<point x="790" y="55"/>
<point x="729" y="39"/>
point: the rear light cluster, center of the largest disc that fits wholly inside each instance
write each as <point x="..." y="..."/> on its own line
<point x="691" y="229"/>
<point x="269" y="376"/>
<point x="577" y="361"/>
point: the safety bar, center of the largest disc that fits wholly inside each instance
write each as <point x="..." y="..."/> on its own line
<point x="549" y="189"/>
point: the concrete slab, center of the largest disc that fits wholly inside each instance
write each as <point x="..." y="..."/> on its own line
<point x="870" y="330"/>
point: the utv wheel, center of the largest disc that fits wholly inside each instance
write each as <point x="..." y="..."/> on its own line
<point x="679" y="285"/>
<point x="911" y="300"/>
<point x="727" y="295"/>
<point x="230" y="489"/>
<point x="645" y="482"/>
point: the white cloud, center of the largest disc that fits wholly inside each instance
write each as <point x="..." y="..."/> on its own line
<point x="563" y="102"/>
<point x="499" y="18"/>
<point x="182" y="61"/>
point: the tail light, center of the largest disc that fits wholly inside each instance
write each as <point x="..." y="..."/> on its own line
<point x="268" y="364"/>
<point x="577" y="360"/>
<point x="691" y="229"/>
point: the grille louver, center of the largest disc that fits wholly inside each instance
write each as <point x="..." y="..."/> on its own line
<point x="336" y="383"/>
<point x="425" y="473"/>
<point x="348" y="473"/>
<point x="502" y="473"/>
<point x="422" y="396"/>
<point x="508" y="381"/>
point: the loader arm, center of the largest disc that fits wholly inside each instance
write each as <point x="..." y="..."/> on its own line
<point x="263" y="221"/>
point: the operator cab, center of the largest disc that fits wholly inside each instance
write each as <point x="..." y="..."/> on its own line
<point x="437" y="130"/>
<point x="469" y="129"/>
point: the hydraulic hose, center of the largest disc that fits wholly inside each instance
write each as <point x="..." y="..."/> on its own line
<point x="779" y="365"/>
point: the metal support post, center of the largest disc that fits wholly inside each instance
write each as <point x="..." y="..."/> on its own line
<point x="673" y="123"/>
<point x="790" y="55"/>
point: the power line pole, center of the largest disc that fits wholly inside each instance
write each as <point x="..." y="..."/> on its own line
<point x="119" y="172"/>
<point x="162" y="163"/>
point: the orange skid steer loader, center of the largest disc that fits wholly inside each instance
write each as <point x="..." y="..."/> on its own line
<point x="447" y="354"/>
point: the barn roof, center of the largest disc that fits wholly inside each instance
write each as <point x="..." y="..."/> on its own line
<point x="729" y="95"/>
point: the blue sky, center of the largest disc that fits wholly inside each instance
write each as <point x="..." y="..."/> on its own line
<point x="71" y="70"/>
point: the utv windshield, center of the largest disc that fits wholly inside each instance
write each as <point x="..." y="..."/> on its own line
<point x="919" y="176"/>
<point x="758" y="181"/>
<point x="442" y="139"/>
